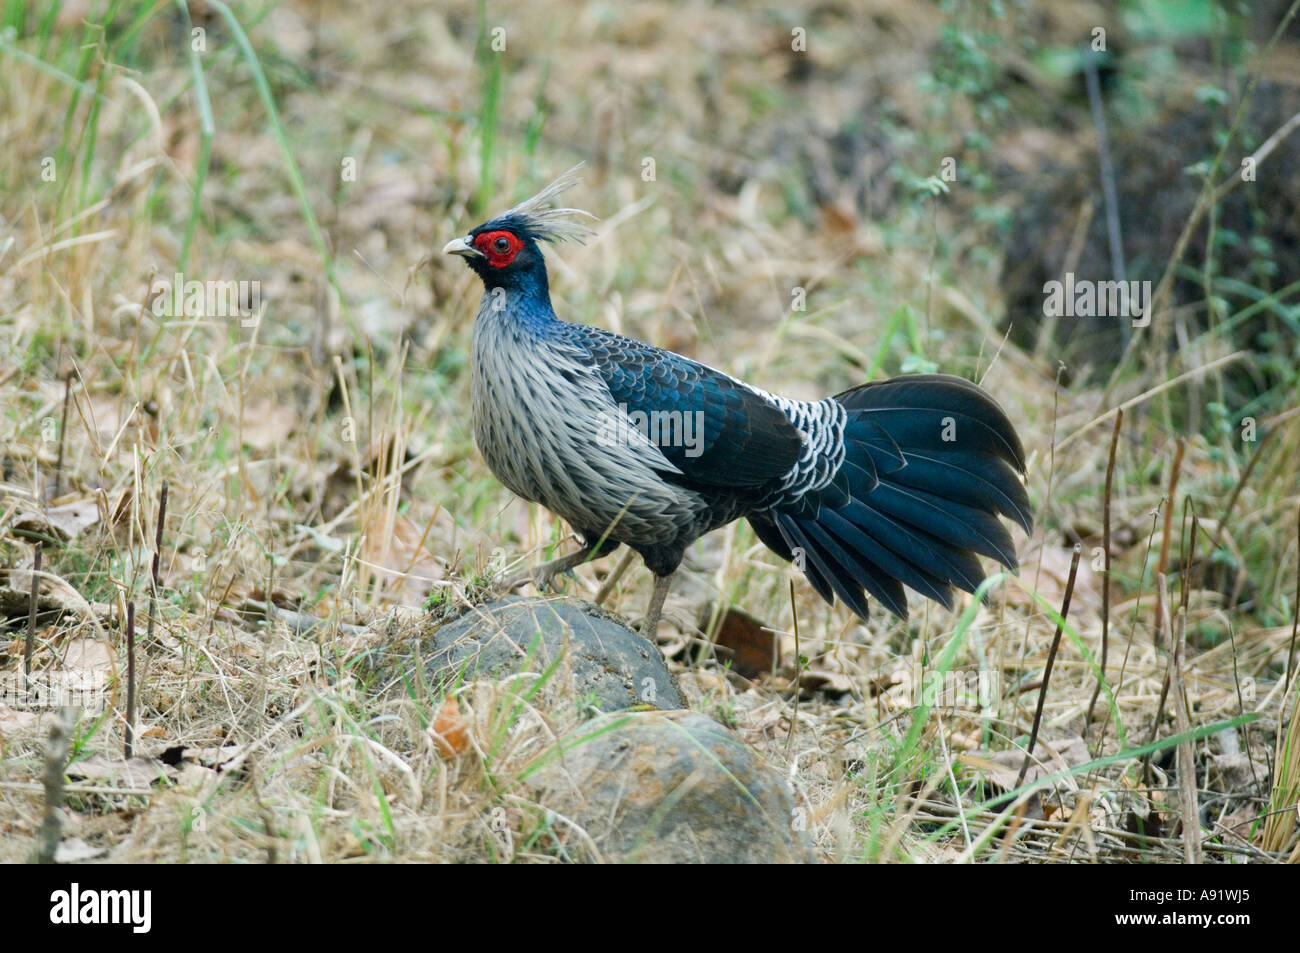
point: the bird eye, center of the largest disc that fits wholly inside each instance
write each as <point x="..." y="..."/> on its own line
<point x="502" y="245"/>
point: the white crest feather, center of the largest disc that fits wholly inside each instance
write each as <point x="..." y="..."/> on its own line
<point x="552" y="223"/>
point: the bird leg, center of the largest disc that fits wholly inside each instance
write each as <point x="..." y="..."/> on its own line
<point x="607" y="587"/>
<point x="544" y="575"/>
<point x="656" y="607"/>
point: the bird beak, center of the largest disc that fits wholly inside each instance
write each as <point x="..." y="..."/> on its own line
<point x="459" y="246"/>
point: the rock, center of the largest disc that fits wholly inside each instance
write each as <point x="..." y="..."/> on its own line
<point x="611" y="665"/>
<point x="671" y="787"/>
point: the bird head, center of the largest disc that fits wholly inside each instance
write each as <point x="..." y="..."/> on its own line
<point x="504" y="252"/>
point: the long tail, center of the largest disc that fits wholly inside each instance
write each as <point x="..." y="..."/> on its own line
<point x="930" y="463"/>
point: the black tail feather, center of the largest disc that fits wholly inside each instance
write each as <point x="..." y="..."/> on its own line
<point x="904" y="570"/>
<point x="912" y="410"/>
<point x="931" y="462"/>
<point x="847" y="575"/>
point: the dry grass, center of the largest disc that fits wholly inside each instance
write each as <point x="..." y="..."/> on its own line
<point x="319" y="455"/>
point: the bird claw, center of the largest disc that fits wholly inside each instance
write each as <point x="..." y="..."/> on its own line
<point x="546" y="581"/>
<point x="514" y="582"/>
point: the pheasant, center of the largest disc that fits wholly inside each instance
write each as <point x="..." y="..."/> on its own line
<point x="892" y="483"/>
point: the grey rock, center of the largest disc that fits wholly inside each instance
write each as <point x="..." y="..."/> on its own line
<point x="611" y="665"/>
<point x="670" y="787"/>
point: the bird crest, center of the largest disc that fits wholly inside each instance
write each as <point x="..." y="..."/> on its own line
<point x="541" y="219"/>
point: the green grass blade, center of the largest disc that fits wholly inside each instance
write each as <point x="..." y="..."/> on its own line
<point x="282" y="139"/>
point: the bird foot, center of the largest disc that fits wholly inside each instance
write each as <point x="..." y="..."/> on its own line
<point x="542" y="577"/>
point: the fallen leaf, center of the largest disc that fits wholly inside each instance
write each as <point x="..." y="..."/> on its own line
<point x="267" y="423"/>
<point x="63" y="523"/>
<point x="838" y="220"/>
<point x="826" y="681"/>
<point x="104" y="412"/>
<point x="193" y="777"/>
<point x="407" y="568"/>
<point x="138" y="772"/>
<point x="11" y="719"/>
<point x="448" y="730"/>
<point x="215" y="758"/>
<point x="52" y="597"/>
<point x="89" y="661"/>
<point x="1002" y="768"/>
<point x="745" y="643"/>
<point x="73" y="850"/>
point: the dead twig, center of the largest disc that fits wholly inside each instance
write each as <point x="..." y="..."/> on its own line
<point x="1162" y="565"/>
<point x="130" y="681"/>
<point x="63" y="429"/>
<point x="1185" y="759"/>
<point x="1105" y="583"/>
<point x="31" y="611"/>
<point x="56" y="759"/>
<point x="1047" y="669"/>
<point x="153" y="573"/>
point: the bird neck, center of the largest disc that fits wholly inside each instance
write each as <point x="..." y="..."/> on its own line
<point x="522" y="300"/>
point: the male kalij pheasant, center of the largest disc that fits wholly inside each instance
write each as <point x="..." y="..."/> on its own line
<point x="892" y="483"/>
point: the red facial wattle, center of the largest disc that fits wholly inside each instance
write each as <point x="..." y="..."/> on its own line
<point x="500" y="247"/>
